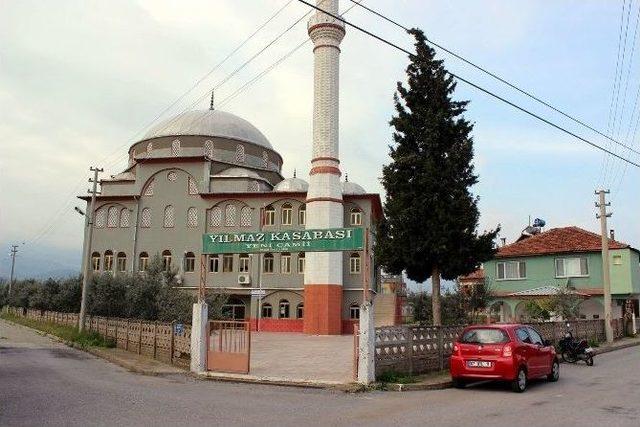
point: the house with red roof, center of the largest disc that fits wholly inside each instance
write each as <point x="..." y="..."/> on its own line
<point x="537" y="266"/>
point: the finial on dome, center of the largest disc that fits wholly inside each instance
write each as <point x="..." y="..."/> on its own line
<point x="346" y="177"/>
<point x="212" y="98"/>
<point x="294" y="173"/>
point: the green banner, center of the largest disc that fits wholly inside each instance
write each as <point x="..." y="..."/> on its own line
<point x="326" y="240"/>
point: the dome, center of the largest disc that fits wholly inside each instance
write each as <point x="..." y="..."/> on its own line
<point x="214" y="123"/>
<point x="238" y="173"/>
<point x="352" y="188"/>
<point x="292" y="184"/>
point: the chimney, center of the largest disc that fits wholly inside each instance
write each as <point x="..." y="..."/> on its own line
<point x="612" y="234"/>
<point x="503" y="240"/>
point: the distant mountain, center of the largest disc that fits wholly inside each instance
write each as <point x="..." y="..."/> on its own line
<point x="42" y="262"/>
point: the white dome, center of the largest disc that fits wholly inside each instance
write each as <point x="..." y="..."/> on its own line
<point x="238" y="173"/>
<point x="292" y="184"/>
<point x="209" y="123"/>
<point x="352" y="188"/>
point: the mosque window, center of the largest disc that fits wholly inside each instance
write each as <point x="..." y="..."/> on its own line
<point x="253" y="186"/>
<point x="354" y="311"/>
<point x="356" y="216"/>
<point x="169" y="216"/>
<point x="208" y="148"/>
<point x="265" y="159"/>
<point x="240" y="153"/>
<point x="285" y="263"/>
<point x="143" y="261"/>
<point x="166" y="260"/>
<point x="284" y="309"/>
<point x="230" y="216"/>
<point x="100" y="218"/>
<point x="108" y="261"/>
<point x="121" y="262"/>
<point x="189" y="262"/>
<point x="215" y="217"/>
<point x="192" y="217"/>
<point x="145" y="221"/>
<point x="267" y="310"/>
<point x="285" y="217"/>
<point x="300" y="311"/>
<point x="245" y="217"/>
<point x="95" y="261"/>
<point x="193" y="187"/>
<point x="302" y="215"/>
<point x="149" y="148"/>
<point x="148" y="191"/>
<point x="124" y="217"/>
<point x="354" y="263"/>
<point x="172" y="176"/>
<point x="267" y="263"/>
<point x="269" y="215"/>
<point x="175" y="148"/>
<point x="301" y="262"/>
<point x="112" y="217"/>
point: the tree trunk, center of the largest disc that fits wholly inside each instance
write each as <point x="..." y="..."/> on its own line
<point x="435" y="296"/>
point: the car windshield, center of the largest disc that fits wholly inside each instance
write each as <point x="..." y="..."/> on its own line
<point x="484" y="336"/>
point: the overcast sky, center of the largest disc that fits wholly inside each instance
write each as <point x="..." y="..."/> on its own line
<point x="80" y="80"/>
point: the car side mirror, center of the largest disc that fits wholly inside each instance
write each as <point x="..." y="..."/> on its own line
<point x="546" y="343"/>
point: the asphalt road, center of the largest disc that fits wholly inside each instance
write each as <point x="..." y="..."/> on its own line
<point x="46" y="383"/>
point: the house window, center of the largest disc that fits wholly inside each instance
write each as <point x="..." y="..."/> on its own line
<point x="269" y="215"/>
<point x="356" y="217"/>
<point x="100" y="218"/>
<point x="267" y="263"/>
<point x="192" y="217"/>
<point x="214" y="264"/>
<point x="143" y="261"/>
<point x="354" y="263"/>
<point x="95" y="261"/>
<point x="148" y="191"/>
<point x="283" y="311"/>
<point x="230" y="216"/>
<point x="509" y="270"/>
<point x="166" y="260"/>
<point x="189" y="262"/>
<point x="617" y="260"/>
<point x="354" y="311"/>
<point x="300" y="311"/>
<point x="285" y="263"/>
<point x="193" y="186"/>
<point x="285" y="217"/>
<point x="267" y="310"/>
<point x="108" y="261"/>
<point x="302" y="215"/>
<point x="169" y="216"/>
<point x="244" y="263"/>
<point x="124" y="218"/>
<point x="112" y="217"/>
<point x="227" y="263"/>
<point x="301" y="263"/>
<point x="240" y="154"/>
<point x="175" y="148"/>
<point x="145" y="220"/>
<point x="215" y="217"/>
<point x="572" y="267"/>
<point x="121" y="262"/>
<point x="245" y="217"/>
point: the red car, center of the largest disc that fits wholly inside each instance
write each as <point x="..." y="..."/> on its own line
<point x="504" y="352"/>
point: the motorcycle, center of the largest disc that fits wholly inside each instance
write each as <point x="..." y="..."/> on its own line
<point x="573" y="350"/>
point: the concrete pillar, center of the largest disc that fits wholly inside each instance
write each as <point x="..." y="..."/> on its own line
<point x="199" y="337"/>
<point x="367" y="345"/>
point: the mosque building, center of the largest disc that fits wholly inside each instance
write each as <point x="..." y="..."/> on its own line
<point x="210" y="171"/>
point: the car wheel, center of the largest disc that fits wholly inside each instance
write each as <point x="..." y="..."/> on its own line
<point x="555" y="372"/>
<point x="458" y="383"/>
<point x="519" y="384"/>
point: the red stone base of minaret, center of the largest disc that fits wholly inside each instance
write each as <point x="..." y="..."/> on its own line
<point x="322" y="309"/>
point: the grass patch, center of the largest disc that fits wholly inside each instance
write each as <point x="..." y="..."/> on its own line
<point x="68" y="333"/>
<point x="397" y="378"/>
<point x="594" y="343"/>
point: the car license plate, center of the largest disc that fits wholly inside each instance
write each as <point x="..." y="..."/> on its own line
<point x="478" y="364"/>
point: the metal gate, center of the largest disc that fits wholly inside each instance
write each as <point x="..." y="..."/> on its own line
<point x="228" y="346"/>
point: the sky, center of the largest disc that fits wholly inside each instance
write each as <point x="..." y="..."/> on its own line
<point x="81" y="80"/>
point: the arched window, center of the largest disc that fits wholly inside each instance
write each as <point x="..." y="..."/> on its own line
<point x="301" y="262"/>
<point x="166" y="260"/>
<point x="265" y="159"/>
<point x="244" y="263"/>
<point x="172" y="176"/>
<point x="100" y="218"/>
<point x="285" y="216"/>
<point x="354" y="311"/>
<point x="192" y="217"/>
<point x="245" y="217"/>
<point x="267" y="263"/>
<point x="124" y="218"/>
<point x="143" y="261"/>
<point x="169" y="216"/>
<point x="269" y="215"/>
<point x="208" y="148"/>
<point x="148" y="191"/>
<point x="300" y="311"/>
<point x="175" y="148"/>
<point x="240" y="153"/>
<point x="108" y="261"/>
<point x="283" y="311"/>
<point x="112" y="217"/>
<point x="95" y="261"/>
<point x="354" y="263"/>
<point x="193" y="186"/>
<point x="356" y="217"/>
<point x="145" y="218"/>
<point x="149" y="148"/>
<point x="230" y="216"/>
<point x="121" y="262"/>
<point x="267" y="311"/>
<point x="302" y="215"/>
<point x="215" y="217"/>
<point x="285" y="263"/>
<point x="189" y="262"/>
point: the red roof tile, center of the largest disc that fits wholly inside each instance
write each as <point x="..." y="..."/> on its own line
<point x="473" y="277"/>
<point x="556" y="241"/>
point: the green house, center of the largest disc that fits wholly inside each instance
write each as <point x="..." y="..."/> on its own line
<point x="537" y="266"/>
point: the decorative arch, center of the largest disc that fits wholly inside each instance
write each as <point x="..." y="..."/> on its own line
<point x="148" y="186"/>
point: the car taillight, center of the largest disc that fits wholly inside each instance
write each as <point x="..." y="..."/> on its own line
<point x="507" y="351"/>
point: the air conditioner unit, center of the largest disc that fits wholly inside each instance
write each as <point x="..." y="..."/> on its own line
<point x="244" y="279"/>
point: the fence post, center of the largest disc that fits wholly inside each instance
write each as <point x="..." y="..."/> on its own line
<point x="140" y="339"/>
<point x="440" y="349"/>
<point x="171" y="347"/>
<point x="409" y="348"/>
<point x="155" y="337"/>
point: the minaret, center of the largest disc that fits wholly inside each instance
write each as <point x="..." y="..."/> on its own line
<point x="323" y="271"/>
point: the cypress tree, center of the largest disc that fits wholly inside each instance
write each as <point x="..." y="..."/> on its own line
<point x="431" y="221"/>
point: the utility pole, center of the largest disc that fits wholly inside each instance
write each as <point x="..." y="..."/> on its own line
<point x="14" y="251"/>
<point x="606" y="274"/>
<point x="87" y="252"/>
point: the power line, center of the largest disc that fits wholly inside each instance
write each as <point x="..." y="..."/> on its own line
<point x="488" y="92"/>
<point x="501" y="79"/>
